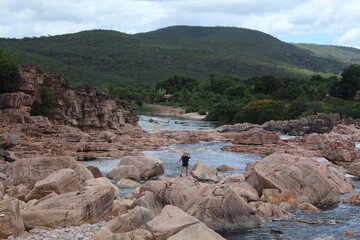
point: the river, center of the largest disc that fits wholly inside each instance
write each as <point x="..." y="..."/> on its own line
<point x="332" y="221"/>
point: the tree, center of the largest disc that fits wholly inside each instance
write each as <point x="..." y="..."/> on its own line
<point x="349" y="83"/>
<point x="9" y="72"/>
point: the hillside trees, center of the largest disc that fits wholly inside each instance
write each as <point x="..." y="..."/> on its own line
<point x="349" y="84"/>
<point x="9" y="71"/>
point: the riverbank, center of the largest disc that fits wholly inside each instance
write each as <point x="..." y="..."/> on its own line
<point x="157" y="109"/>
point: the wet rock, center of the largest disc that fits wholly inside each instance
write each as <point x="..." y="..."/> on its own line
<point x="313" y="182"/>
<point x="130" y="221"/>
<point x="202" y="172"/>
<point x="170" y="221"/>
<point x="95" y="171"/>
<point x="225" y="168"/>
<point x="148" y="166"/>
<point x="308" y="207"/>
<point x="267" y="209"/>
<point x="353" y="199"/>
<point x="60" y="182"/>
<point x="124" y="171"/>
<point x="354" y="168"/>
<point x="221" y="209"/>
<point x="11" y="221"/>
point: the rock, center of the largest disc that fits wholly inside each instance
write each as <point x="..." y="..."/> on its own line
<point x="71" y="209"/>
<point x="95" y="171"/>
<point x="354" y="168"/>
<point x="103" y="234"/>
<point x="124" y="171"/>
<point x="267" y="209"/>
<point x="9" y="140"/>
<point x="308" y="207"/>
<point x="121" y="206"/>
<point x="170" y="221"/>
<point x="2" y="190"/>
<point x="221" y="209"/>
<point x="18" y="100"/>
<point x="286" y="207"/>
<point x="60" y="182"/>
<point x="19" y="191"/>
<point x="38" y="168"/>
<point x="134" y="219"/>
<point x="325" y="238"/>
<point x="173" y="191"/>
<point x="225" y="168"/>
<point x="197" y="232"/>
<point x="148" y="166"/>
<point x="148" y="200"/>
<point x="124" y="183"/>
<point x="349" y="130"/>
<point x="138" y="234"/>
<point x="11" y="221"/>
<point x="314" y="182"/>
<point x="275" y="197"/>
<point x="94" y="183"/>
<point x="202" y="172"/>
<point x="353" y="199"/>
<point x="340" y="151"/>
<point x="256" y="136"/>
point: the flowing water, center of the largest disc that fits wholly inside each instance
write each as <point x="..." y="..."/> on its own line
<point x="332" y="221"/>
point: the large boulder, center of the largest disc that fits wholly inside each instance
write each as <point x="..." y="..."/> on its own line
<point x="354" y="168"/>
<point x="256" y="136"/>
<point x="148" y="166"/>
<point x="124" y="171"/>
<point x="173" y="191"/>
<point x="2" y="190"/>
<point x="11" y="222"/>
<point x="340" y="151"/>
<point x="314" y="182"/>
<point x="38" y="168"/>
<point x="95" y="171"/>
<point x="130" y="221"/>
<point x="197" y="232"/>
<point x="71" y="209"/>
<point x="169" y="222"/>
<point x="62" y="181"/>
<point x="18" y="100"/>
<point x="147" y="200"/>
<point x="244" y="189"/>
<point x="221" y="209"/>
<point x="203" y="172"/>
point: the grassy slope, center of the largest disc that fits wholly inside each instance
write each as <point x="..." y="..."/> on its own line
<point x="343" y="54"/>
<point x="101" y="57"/>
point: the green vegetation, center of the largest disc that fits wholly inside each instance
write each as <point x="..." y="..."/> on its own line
<point x="47" y="102"/>
<point x="103" y="58"/>
<point x="9" y="72"/>
<point x="260" y="99"/>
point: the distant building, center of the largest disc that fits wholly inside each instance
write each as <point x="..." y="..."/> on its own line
<point x="168" y="97"/>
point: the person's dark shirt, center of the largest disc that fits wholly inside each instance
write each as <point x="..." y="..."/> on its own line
<point x="185" y="159"/>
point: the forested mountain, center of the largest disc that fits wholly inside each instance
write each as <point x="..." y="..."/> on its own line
<point x="103" y="57"/>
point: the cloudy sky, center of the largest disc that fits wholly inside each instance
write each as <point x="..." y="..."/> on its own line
<point x="311" y="21"/>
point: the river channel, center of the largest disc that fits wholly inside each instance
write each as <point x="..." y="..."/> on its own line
<point x="331" y="221"/>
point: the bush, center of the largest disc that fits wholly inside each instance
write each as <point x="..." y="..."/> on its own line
<point x="9" y="72"/>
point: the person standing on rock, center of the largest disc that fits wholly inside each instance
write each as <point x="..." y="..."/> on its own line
<point x="185" y="162"/>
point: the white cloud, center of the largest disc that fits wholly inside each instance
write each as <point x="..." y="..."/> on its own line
<point x="280" y="18"/>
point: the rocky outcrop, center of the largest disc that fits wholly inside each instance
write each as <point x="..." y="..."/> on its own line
<point x="11" y="222"/>
<point x="38" y="168"/>
<point x="71" y="209"/>
<point x="221" y="209"/>
<point x="353" y="199"/>
<point x="314" y="182"/>
<point x="124" y="172"/>
<point x="256" y="136"/>
<point x="61" y="102"/>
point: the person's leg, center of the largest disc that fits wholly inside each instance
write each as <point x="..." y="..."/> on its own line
<point x="182" y="169"/>
<point x="186" y="169"/>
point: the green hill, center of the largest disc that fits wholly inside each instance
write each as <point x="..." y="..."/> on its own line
<point x="338" y="53"/>
<point x="101" y="57"/>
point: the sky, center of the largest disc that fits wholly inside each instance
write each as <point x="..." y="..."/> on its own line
<point x="331" y="22"/>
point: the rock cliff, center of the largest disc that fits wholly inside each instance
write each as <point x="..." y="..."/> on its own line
<point x="51" y="95"/>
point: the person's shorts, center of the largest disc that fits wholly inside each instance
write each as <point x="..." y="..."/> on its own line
<point x="185" y="164"/>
